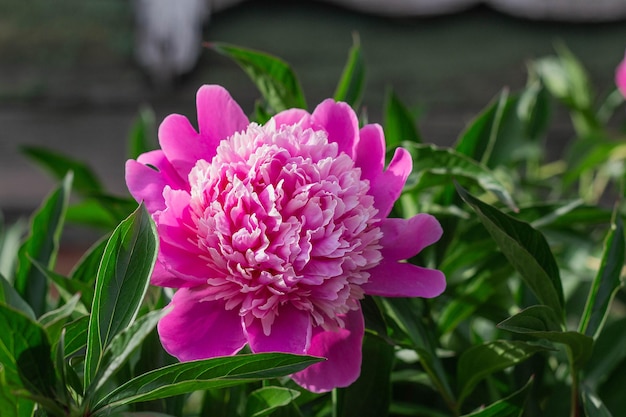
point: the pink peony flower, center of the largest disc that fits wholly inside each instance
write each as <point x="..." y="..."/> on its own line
<point x="272" y="234"/>
<point x="620" y="76"/>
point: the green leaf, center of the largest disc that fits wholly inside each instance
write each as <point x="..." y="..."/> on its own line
<point x="85" y="180"/>
<point x="124" y="344"/>
<point x="25" y="353"/>
<point x="121" y="284"/>
<point x="142" y="136"/>
<point x="76" y="336"/>
<point x="11" y="298"/>
<point x="10" y="404"/>
<point x="533" y="109"/>
<point x="609" y="351"/>
<point x="352" y="81"/>
<point x="264" y="401"/>
<point x="399" y="122"/>
<point x="186" y="377"/>
<point x="435" y="166"/>
<point x="480" y="361"/>
<point x="42" y="245"/>
<point x="10" y="239"/>
<point x="511" y="406"/>
<point x="607" y="282"/>
<point x="378" y="358"/>
<point x="91" y="212"/>
<point x="526" y="249"/>
<point x="478" y="139"/>
<point x="86" y="269"/>
<point x="543" y="323"/>
<point x="406" y="314"/>
<point x="54" y="321"/>
<point x="593" y="405"/>
<point x="273" y="77"/>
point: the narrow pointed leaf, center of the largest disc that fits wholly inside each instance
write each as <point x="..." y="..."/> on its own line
<point x="42" y="245"/>
<point x="511" y="406"/>
<point x="593" y="405"/>
<point x="543" y="323"/>
<point x="76" y="336"/>
<point x="124" y="344"/>
<point x="10" y="240"/>
<point x="54" y="321"/>
<point x="85" y="180"/>
<point x="186" y="377"/>
<point x="480" y="361"/>
<point x="607" y="282"/>
<point x="11" y="298"/>
<point x="273" y="77"/>
<point x="438" y="166"/>
<point x="352" y="81"/>
<point x="399" y="122"/>
<point x="526" y="249"/>
<point x="121" y="284"/>
<point x="142" y="137"/>
<point x="266" y="400"/>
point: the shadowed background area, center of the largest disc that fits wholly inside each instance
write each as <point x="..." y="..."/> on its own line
<point x="69" y="82"/>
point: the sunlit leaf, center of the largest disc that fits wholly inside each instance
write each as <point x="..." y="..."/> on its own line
<point x="273" y="77"/>
<point x="480" y="361"/>
<point x="42" y="245"/>
<point x="186" y="377"/>
<point x="264" y="401"/>
<point x="435" y="166"/>
<point x="121" y="284"/>
<point x="526" y="249"/>
<point x="607" y="281"/>
<point x="543" y="323"/>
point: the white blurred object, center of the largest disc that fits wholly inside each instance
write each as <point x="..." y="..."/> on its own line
<point x="168" y="38"/>
<point x="564" y="10"/>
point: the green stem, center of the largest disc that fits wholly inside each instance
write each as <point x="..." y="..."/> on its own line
<point x="575" y="394"/>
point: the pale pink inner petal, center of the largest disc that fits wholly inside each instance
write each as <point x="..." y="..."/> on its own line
<point x="398" y="279"/>
<point x="342" y="349"/>
<point x="293" y="117"/>
<point x="198" y="329"/>
<point x="404" y="238"/>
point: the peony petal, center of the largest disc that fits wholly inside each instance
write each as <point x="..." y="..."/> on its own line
<point x="339" y="122"/>
<point x="182" y="145"/>
<point x="197" y="329"/>
<point x="342" y="349"/>
<point x="292" y="117"/>
<point x="146" y="183"/>
<point x="404" y="238"/>
<point x="290" y="333"/>
<point x="387" y="187"/>
<point x="370" y="151"/>
<point x="162" y="277"/>
<point x="620" y="76"/>
<point x="397" y="279"/>
<point x="219" y="116"/>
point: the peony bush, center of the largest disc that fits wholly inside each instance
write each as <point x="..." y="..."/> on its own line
<point x="296" y="262"/>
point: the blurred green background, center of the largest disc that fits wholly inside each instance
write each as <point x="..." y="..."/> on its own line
<point x="68" y="79"/>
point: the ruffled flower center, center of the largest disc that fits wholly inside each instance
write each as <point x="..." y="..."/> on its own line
<point x="284" y="218"/>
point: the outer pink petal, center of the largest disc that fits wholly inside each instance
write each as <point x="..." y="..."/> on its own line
<point x="146" y="183"/>
<point x="219" y="116"/>
<point x="162" y="277"/>
<point x="386" y="187"/>
<point x="397" y="279"/>
<point x="292" y="117"/>
<point x="370" y="151"/>
<point x="404" y="238"/>
<point x="342" y="349"/>
<point x="620" y="76"/>
<point x="182" y="145"/>
<point x="290" y="333"/>
<point x="178" y="251"/>
<point x="197" y="329"/>
<point x="339" y="122"/>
